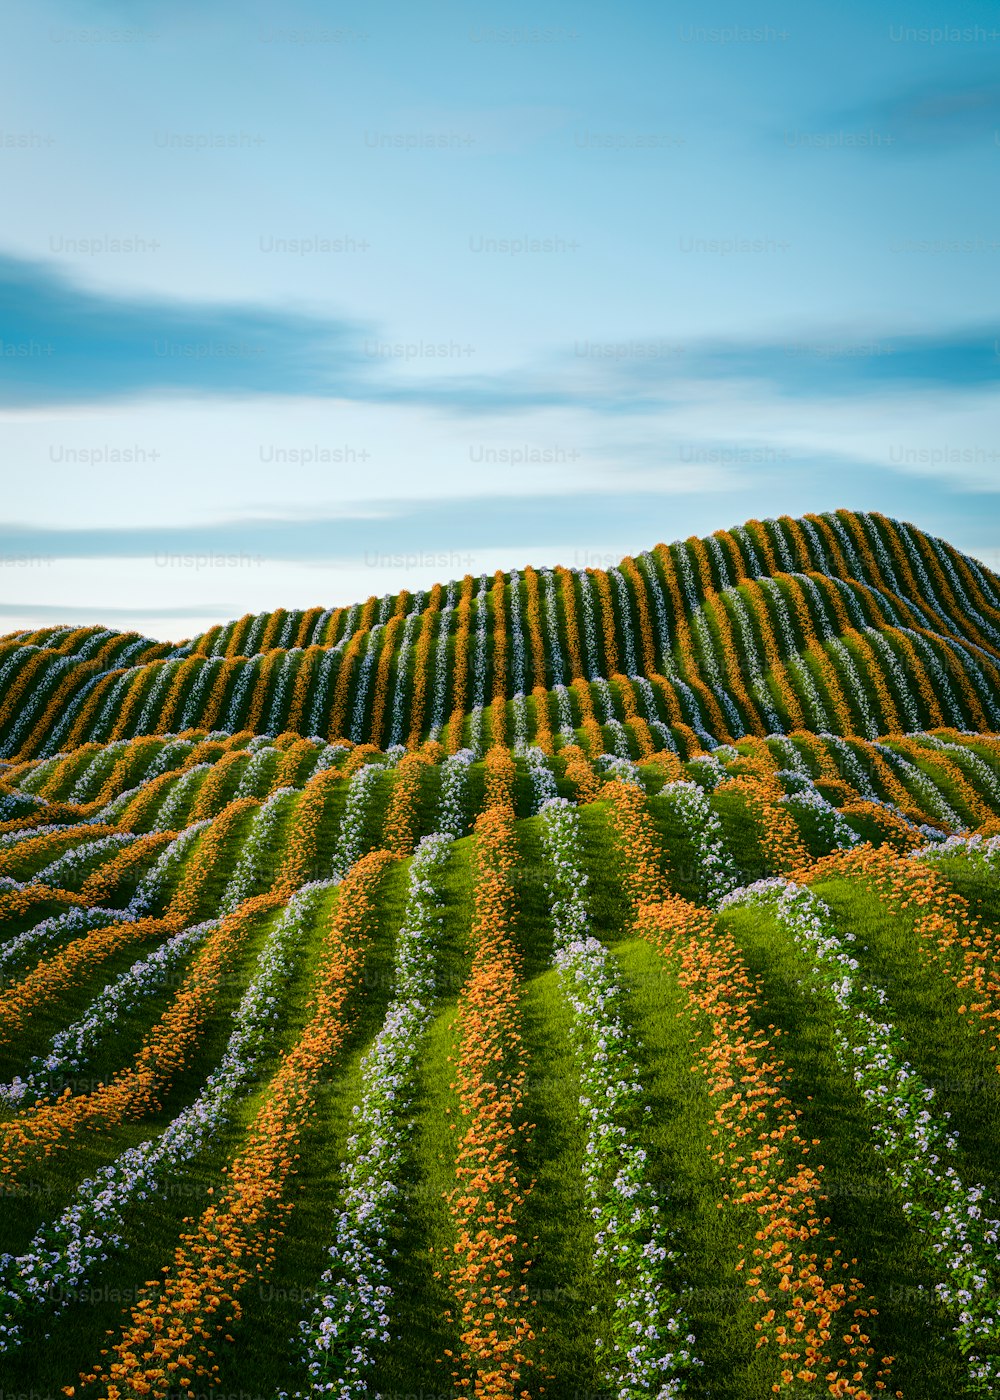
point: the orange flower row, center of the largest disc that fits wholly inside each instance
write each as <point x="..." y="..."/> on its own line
<point x="386" y="656"/>
<point x="102" y="883"/>
<point x="579" y="770"/>
<point x="209" y="850"/>
<point x="347" y="659"/>
<point x="300" y="858"/>
<point x="607" y="620"/>
<point x="759" y="1149"/>
<point x="500" y="648"/>
<point x="633" y="720"/>
<point x="421" y="664"/>
<point x="591" y="729"/>
<point x="460" y="665"/>
<point x="756" y="782"/>
<point x="535" y="634"/>
<point x="292" y="760"/>
<point x="490" y="1306"/>
<point x="566" y="584"/>
<point x="543" y="729"/>
<point x="398" y="833"/>
<point x="501" y="775"/>
<point x="642" y="858"/>
<point x="164" y="1342"/>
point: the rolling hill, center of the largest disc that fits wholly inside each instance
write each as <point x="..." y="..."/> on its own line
<point x="564" y="983"/>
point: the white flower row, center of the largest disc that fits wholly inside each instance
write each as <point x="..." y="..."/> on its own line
<point x="71" y="1048"/>
<point x="353" y="1315"/>
<point x="257" y="843"/>
<point x="441" y="664"/>
<point x="352" y="824"/>
<point x="543" y="780"/>
<point x="178" y="799"/>
<point x="960" y="1237"/>
<point x="977" y="847"/>
<point x="929" y="792"/>
<point x="611" y="721"/>
<point x="70" y="864"/>
<point x="376" y="639"/>
<point x="551" y="610"/>
<point x="647" y="1350"/>
<point x="517" y="649"/>
<point x="32" y="941"/>
<point x="803" y="793"/>
<point x="564" y="709"/>
<point x="255" y="777"/>
<point x="645" y="689"/>
<point x="154" y="882"/>
<point x="717" y="874"/>
<point x="91" y="777"/>
<point x="454" y="784"/>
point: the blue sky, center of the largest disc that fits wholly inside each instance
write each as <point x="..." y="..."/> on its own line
<point x="302" y="303"/>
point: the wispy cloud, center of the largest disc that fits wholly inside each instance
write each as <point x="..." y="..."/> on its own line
<point x="62" y="343"/>
<point x="933" y="114"/>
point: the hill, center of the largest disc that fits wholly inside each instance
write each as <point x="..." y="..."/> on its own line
<point x="843" y="623"/>
<point x="566" y="984"/>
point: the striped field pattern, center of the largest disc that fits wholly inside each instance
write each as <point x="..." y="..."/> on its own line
<point x="579" y="984"/>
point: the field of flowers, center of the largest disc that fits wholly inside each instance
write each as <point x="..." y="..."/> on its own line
<point x="565" y="984"/>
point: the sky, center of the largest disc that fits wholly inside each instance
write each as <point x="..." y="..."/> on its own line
<point x="300" y="304"/>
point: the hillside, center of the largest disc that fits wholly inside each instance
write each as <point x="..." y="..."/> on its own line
<point x="565" y="984"/>
<point x="846" y="624"/>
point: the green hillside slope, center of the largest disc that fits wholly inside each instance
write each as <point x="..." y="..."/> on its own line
<point x="564" y="984"/>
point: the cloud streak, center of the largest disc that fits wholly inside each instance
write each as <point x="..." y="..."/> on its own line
<point x="64" y="344"/>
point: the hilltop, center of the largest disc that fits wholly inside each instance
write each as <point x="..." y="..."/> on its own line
<point x="843" y="623"/>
